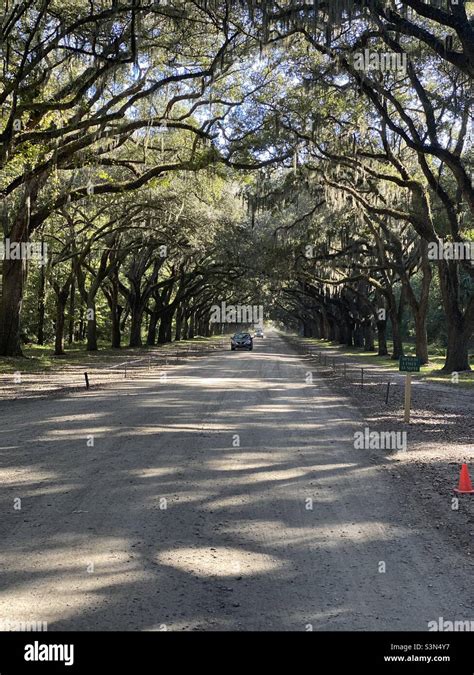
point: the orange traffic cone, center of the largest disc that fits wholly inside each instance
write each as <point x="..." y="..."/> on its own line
<point x="465" y="485"/>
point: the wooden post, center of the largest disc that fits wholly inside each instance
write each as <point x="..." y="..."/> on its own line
<point x="334" y="365"/>
<point x="86" y="377"/>
<point x="407" y="397"/>
<point x="388" y="392"/>
<point x="361" y="377"/>
<point x="125" y="373"/>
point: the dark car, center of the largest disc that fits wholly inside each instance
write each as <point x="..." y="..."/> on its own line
<point x="241" y="341"/>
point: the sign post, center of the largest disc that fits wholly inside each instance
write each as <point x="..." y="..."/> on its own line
<point x="408" y="365"/>
<point x="407" y="398"/>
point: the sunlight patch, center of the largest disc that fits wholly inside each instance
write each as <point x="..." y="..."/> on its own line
<point x="218" y="562"/>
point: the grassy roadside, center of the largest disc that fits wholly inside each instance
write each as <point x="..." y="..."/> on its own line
<point x="429" y="372"/>
<point x="41" y="359"/>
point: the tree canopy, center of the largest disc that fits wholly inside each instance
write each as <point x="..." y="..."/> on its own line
<point x="313" y="157"/>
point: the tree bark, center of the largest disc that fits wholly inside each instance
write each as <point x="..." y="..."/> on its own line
<point x="91" y="345"/>
<point x="460" y="326"/>
<point x="14" y="275"/>
<point x="421" y="337"/>
<point x="152" y="327"/>
<point x="116" y="332"/>
<point x="13" y="280"/>
<point x="358" y="335"/>
<point x="136" y="315"/>
<point x="179" y="323"/>
<point x="191" y="327"/>
<point x="397" y="350"/>
<point x="61" y="302"/>
<point x="72" y="311"/>
<point x="368" y="331"/>
<point x="41" y="306"/>
<point x="382" y="338"/>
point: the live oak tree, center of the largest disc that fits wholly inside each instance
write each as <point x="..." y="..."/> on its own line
<point x="81" y="83"/>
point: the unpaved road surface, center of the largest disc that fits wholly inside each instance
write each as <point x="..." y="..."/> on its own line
<point x="192" y="510"/>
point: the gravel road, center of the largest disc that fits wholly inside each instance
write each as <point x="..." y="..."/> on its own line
<point x="226" y="495"/>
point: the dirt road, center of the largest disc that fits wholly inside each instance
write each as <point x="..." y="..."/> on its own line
<point x="227" y="495"/>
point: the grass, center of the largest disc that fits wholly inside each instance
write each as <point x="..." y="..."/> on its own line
<point x="429" y="372"/>
<point x="41" y="359"/>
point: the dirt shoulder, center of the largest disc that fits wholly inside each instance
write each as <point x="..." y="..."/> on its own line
<point x="103" y="369"/>
<point x="439" y="437"/>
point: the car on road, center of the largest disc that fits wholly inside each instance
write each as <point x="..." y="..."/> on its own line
<point x="241" y="341"/>
<point x="259" y="333"/>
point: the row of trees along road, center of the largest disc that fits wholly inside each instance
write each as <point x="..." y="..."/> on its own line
<point x="168" y="152"/>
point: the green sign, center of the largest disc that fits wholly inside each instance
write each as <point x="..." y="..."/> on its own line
<point x="409" y="364"/>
